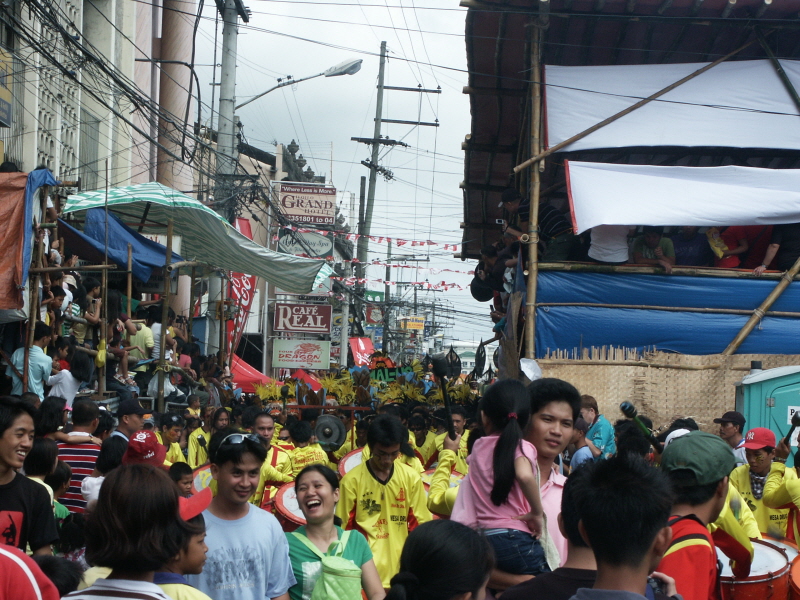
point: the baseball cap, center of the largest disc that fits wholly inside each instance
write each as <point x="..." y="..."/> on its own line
<point x="758" y="438"/>
<point x="509" y="195"/>
<point x="732" y="417"/>
<point x="144" y="448"/>
<point x="130" y="407"/>
<point x="706" y="456"/>
<point x="190" y="507"/>
<point x="674" y="435"/>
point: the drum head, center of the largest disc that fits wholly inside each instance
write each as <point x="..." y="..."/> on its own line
<point x="350" y="461"/>
<point x="785" y="545"/>
<point x="286" y="504"/>
<point x="455" y="478"/>
<point x="767" y="559"/>
<point x="201" y="478"/>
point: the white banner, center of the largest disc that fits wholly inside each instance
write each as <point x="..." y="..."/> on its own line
<point x="301" y="354"/>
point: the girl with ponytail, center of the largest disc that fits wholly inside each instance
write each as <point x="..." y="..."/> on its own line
<point x="504" y="476"/>
<point x="443" y="560"/>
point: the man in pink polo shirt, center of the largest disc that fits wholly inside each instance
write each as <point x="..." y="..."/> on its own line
<point x="555" y="405"/>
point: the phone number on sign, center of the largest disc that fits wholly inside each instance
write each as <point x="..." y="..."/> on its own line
<point x="312" y="220"/>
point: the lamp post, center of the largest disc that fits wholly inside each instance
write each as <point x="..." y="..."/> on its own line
<point x="348" y="67"/>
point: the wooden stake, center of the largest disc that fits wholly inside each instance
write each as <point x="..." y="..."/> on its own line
<point x="533" y="223"/>
<point x="717" y="311"/>
<point x="579" y="136"/>
<point x="162" y="361"/>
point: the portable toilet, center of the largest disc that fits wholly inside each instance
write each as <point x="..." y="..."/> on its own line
<point x="769" y="398"/>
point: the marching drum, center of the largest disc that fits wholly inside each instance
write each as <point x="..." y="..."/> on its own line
<point x="350" y="461"/>
<point x="769" y="575"/>
<point x="455" y="480"/>
<point x="201" y="478"/>
<point x="287" y="510"/>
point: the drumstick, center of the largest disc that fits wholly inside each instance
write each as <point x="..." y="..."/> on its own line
<point x="795" y="425"/>
<point x="439" y="368"/>
<point x="629" y="410"/>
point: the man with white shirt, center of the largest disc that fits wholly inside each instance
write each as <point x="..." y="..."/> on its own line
<point x="731" y="429"/>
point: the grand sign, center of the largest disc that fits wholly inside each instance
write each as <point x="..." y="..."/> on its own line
<point x="306" y="203"/>
<point x="303" y="318"/>
<point x="301" y="354"/>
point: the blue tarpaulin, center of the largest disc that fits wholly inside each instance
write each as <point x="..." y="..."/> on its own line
<point x="571" y="327"/>
<point x="147" y="254"/>
<point x="36" y="179"/>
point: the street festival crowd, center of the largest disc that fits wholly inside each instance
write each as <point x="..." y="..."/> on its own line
<point x="535" y="494"/>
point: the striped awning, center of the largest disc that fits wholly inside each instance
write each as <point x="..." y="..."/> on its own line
<point x="206" y="236"/>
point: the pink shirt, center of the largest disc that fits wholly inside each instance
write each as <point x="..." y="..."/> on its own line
<point x="487" y="515"/>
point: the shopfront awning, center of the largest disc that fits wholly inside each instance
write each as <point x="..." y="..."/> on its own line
<point x="610" y="194"/>
<point x="206" y="236"/>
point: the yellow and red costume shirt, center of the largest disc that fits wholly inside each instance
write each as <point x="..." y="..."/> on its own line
<point x="276" y="470"/>
<point x="385" y="512"/>
<point x="691" y="559"/>
<point x="770" y="520"/>
<point x="174" y="452"/>
<point x="782" y="490"/>
<point x="309" y="455"/>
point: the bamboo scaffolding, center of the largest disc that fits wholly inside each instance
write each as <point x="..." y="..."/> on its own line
<point x="626" y="363"/>
<point x="579" y="136"/>
<point x="62" y="268"/>
<point x="648" y="270"/>
<point x="718" y="311"/>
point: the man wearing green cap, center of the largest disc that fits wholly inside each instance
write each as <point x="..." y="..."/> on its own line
<point x="698" y="465"/>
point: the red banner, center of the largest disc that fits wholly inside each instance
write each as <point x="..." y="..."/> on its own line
<point x="241" y="290"/>
<point x="362" y="350"/>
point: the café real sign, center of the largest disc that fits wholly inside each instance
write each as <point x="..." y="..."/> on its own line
<point x="307" y="203"/>
<point x="303" y="318"/>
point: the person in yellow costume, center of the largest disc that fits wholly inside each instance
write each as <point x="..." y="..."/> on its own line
<point x="305" y="453"/>
<point x="277" y="459"/>
<point x="750" y="480"/>
<point x="424" y="442"/>
<point x="782" y="489"/>
<point x="356" y="438"/>
<point x="170" y="427"/>
<point x="382" y="498"/>
<point x="442" y="497"/>
<point x="459" y="422"/>
<point x="200" y="437"/>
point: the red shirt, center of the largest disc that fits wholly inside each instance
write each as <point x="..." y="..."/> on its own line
<point x="757" y="237"/>
<point x="22" y="578"/>
<point x="82" y="458"/>
<point x="691" y="560"/>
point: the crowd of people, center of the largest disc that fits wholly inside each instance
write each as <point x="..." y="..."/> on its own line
<point x="756" y="248"/>
<point x="536" y="494"/>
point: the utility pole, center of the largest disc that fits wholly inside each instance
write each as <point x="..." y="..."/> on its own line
<point x="386" y="303"/>
<point x="227" y="155"/>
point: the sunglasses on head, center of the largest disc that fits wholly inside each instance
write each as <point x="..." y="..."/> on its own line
<point x="240" y="438"/>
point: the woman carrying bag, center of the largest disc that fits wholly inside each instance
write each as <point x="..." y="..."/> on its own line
<point x="328" y="563"/>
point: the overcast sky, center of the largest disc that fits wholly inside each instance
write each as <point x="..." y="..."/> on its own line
<point x="423" y="201"/>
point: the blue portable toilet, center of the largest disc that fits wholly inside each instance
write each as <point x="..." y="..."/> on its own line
<point x="769" y="398"/>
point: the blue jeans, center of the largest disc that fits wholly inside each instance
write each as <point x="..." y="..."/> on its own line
<point x="517" y="552"/>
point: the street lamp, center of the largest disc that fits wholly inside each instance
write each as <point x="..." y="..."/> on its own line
<point x="348" y="67"/>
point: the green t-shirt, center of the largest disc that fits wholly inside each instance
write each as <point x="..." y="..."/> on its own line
<point x="61" y="511"/>
<point x="307" y="566"/>
<point x="647" y="252"/>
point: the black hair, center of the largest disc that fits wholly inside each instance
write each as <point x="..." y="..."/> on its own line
<point x="89" y="283"/>
<point x="170" y="420"/>
<point x="301" y="432"/>
<point x="249" y="415"/>
<point x="507" y="406"/>
<point x="386" y="430"/>
<point x="62" y="342"/>
<point x="630" y="439"/>
<point x="70" y="532"/>
<point x="65" y="574"/>
<point x="113" y="305"/>
<point x="179" y="470"/>
<point x="30" y="398"/>
<point x="111" y="453"/>
<point x="219" y="453"/>
<point x="41" y="459"/>
<point x="309" y="415"/>
<point x="653" y="229"/>
<point x="57" y="291"/>
<point x="474" y="436"/>
<point x="416" y="421"/>
<point x="84" y="412"/>
<point x="330" y="476"/>
<point x="105" y="424"/>
<point x="61" y="475"/>
<point x="684" y="423"/>
<point x="41" y="330"/>
<point x="50" y="415"/>
<point x="686" y="490"/>
<point x="574" y="488"/>
<point x="549" y="389"/>
<point x="362" y="425"/>
<point x="217" y="414"/>
<point x="135" y="524"/>
<point x="489" y="251"/>
<point x="441" y="560"/>
<point x="389" y="409"/>
<point x="12" y="409"/>
<point x="191" y="398"/>
<point x="458" y="410"/>
<point x="154" y="314"/>
<point x="625" y="505"/>
<point x="80" y="366"/>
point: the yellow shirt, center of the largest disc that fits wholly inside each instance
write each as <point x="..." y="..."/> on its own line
<point x="384" y="512"/>
<point x="309" y="455"/>
<point x="770" y="520"/>
<point x="174" y="453"/>
<point x="461" y="461"/>
<point x="411" y="461"/>
<point x="276" y="470"/>
<point x="193" y="412"/>
<point x="198" y="452"/>
<point x="782" y="489"/>
<point x="427" y="449"/>
<point x="442" y="497"/>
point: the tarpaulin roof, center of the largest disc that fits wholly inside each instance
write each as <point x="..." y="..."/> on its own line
<point x="574" y="327"/>
<point x="146" y="254"/>
<point x="206" y="236"/>
<point x="246" y="376"/>
<point x="741" y="104"/>
<point x="606" y="194"/>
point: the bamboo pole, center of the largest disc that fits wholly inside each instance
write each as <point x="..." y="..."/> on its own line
<point x="718" y="311"/>
<point x="759" y="313"/>
<point x="533" y="222"/>
<point x="33" y="304"/>
<point x="86" y="268"/>
<point x="191" y="305"/>
<point x="578" y="136"/>
<point x="220" y="359"/>
<point x="778" y="68"/>
<point x="101" y="372"/>
<point x="632" y="269"/>
<point x="162" y="360"/>
<point x="129" y="290"/>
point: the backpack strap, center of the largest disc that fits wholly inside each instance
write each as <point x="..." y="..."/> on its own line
<point x="338" y="546"/>
<point x="308" y="544"/>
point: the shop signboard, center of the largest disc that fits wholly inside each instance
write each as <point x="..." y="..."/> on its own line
<point x="362" y="349"/>
<point x="412" y="323"/>
<point x="306" y="203"/>
<point x="303" y="318"/>
<point x="301" y="354"/>
<point x="308" y="244"/>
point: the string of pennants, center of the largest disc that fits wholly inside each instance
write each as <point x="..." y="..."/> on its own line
<point x="442" y="285"/>
<point x="374" y="238"/>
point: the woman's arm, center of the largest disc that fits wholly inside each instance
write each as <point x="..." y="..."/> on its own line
<point x="530" y="488"/>
<point x="371" y="581"/>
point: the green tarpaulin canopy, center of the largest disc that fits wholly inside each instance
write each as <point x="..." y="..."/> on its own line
<point x="206" y="236"/>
